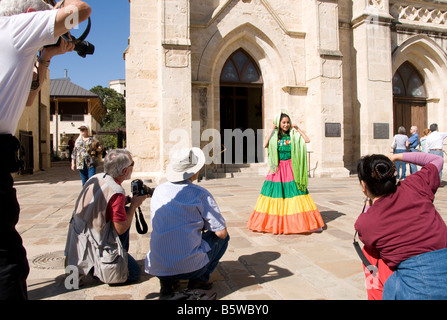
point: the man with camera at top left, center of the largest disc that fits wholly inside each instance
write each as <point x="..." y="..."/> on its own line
<point x="26" y="26"/>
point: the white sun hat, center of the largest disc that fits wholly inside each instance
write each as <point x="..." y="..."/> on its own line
<point x="184" y="164"/>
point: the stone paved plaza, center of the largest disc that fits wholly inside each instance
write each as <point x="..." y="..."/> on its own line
<point x="256" y="266"/>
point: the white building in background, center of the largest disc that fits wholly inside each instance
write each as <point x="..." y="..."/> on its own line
<point x="118" y="85"/>
<point x="71" y="106"/>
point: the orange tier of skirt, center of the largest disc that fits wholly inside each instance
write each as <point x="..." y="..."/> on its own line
<point x="282" y="208"/>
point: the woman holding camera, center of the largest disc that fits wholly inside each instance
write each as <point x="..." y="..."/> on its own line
<point x="84" y="155"/>
<point x="402" y="225"/>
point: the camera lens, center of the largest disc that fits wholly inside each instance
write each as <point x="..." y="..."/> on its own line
<point x="84" y="48"/>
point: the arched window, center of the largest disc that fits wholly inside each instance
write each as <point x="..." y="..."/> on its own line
<point x="240" y="68"/>
<point x="408" y="83"/>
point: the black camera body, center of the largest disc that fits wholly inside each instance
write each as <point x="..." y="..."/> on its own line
<point x="140" y="189"/>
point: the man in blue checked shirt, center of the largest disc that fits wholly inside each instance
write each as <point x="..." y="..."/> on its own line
<point x="189" y="234"/>
<point x="412" y="145"/>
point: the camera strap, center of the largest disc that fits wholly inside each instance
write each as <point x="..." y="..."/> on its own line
<point x="141" y="228"/>
<point x="82" y="37"/>
<point x="362" y="256"/>
<point x="359" y="251"/>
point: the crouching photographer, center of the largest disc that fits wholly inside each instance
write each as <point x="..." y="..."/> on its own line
<point x="25" y="27"/>
<point x="98" y="235"/>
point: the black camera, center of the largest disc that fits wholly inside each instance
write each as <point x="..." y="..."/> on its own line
<point x="82" y="47"/>
<point x="140" y="189"/>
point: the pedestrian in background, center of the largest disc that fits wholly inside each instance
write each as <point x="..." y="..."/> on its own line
<point x="423" y="141"/>
<point x="412" y="145"/>
<point x="85" y="154"/>
<point x="435" y="143"/>
<point x="400" y="146"/>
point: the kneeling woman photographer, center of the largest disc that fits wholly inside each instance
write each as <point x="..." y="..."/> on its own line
<point x="402" y="226"/>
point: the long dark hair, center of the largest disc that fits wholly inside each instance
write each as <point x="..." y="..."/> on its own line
<point x="379" y="174"/>
<point x="281" y="133"/>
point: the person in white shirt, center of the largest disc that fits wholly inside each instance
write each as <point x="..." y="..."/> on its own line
<point x="26" y="26"/>
<point x="435" y="141"/>
<point x="189" y="233"/>
<point x="423" y="142"/>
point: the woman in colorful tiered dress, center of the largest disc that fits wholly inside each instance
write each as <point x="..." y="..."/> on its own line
<point x="285" y="205"/>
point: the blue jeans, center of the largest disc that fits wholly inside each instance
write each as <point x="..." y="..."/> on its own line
<point x="422" y="277"/>
<point x="413" y="167"/>
<point x="218" y="248"/>
<point x="86" y="173"/>
<point x="441" y="154"/>
<point x="399" y="164"/>
<point x="134" y="268"/>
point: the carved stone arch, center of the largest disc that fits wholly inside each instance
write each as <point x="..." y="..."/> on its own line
<point x="430" y="61"/>
<point x="428" y="58"/>
<point x="268" y="54"/>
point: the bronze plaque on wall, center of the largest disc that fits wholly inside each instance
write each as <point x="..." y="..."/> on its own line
<point x="381" y="130"/>
<point x="332" y="129"/>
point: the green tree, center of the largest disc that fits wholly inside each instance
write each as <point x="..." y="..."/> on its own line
<point x="115" y="117"/>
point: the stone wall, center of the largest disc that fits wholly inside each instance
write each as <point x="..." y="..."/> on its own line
<point x="329" y="63"/>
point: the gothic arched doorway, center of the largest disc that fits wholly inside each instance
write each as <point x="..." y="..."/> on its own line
<point x="409" y="99"/>
<point x="240" y="108"/>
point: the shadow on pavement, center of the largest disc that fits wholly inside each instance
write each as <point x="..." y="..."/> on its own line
<point x="59" y="172"/>
<point x="248" y="270"/>
<point x="329" y="216"/>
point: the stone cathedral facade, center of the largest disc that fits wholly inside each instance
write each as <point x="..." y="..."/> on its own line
<point x="205" y="72"/>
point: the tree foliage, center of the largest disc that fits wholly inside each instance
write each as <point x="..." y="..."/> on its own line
<point x="115" y="117"/>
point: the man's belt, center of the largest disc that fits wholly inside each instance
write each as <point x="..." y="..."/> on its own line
<point x="435" y="149"/>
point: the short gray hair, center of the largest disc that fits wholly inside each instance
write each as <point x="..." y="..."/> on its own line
<point x="13" y="7"/>
<point x="433" y="127"/>
<point x="116" y="161"/>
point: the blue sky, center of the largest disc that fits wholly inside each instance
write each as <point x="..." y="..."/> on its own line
<point x="109" y="34"/>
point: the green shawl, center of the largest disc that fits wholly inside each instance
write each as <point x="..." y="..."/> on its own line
<point x="299" y="153"/>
